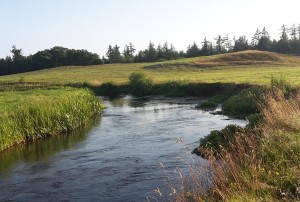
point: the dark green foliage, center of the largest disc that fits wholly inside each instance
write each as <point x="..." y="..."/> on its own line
<point x="220" y="98"/>
<point x="140" y="84"/>
<point x="49" y="58"/>
<point x="254" y="120"/>
<point x="193" y="50"/>
<point x="114" y="55"/>
<point x="110" y="89"/>
<point x="244" y="103"/>
<point x="241" y="44"/>
<point x="282" y="46"/>
<point x="172" y="89"/>
<point x="129" y="53"/>
<point x="217" y="140"/>
<point x="207" y="105"/>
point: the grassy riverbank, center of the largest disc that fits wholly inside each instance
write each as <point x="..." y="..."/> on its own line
<point x="257" y="163"/>
<point x="32" y="114"/>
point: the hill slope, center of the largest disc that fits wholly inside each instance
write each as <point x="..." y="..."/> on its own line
<point x="243" y="58"/>
<point x="240" y="67"/>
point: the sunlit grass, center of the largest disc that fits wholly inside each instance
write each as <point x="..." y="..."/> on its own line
<point x="32" y="114"/>
<point x="220" y="68"/>
<point x="258" y="163"/>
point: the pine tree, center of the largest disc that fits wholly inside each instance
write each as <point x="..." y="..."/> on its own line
<point x="193" y="50"/>
<point x="283" y="34"/>
<point x="255" y="38"/>
<point x="205" y="47"/>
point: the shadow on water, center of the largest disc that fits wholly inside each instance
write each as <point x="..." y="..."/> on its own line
<point x="44" y="149"/>
<point x="120" y="101"/>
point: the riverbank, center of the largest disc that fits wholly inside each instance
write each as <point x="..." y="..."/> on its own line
<point x="259" y="162"/>
<point x="38" y="113"/>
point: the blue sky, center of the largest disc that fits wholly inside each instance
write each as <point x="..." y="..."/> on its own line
<point x="35" y="25"/>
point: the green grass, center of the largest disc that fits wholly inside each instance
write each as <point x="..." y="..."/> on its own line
<point x="33" y="114"/>
<point x="259" y="162"/>
<point x="253" y="67"/>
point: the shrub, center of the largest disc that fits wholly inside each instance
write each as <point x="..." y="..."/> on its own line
<point x="207" y="105"/>
<point x="140" y="84"/>
<point x="244" y="103"/>
<point x="109" y="89"/>
<point x="22" y="80"/>
<point x="217" y="140"/>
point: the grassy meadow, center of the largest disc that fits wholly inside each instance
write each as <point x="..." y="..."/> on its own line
<point x="254" y="67"/>
<point x="33" y="114"/>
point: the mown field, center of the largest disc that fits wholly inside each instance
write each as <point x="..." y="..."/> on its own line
<point x="252" y="67"/>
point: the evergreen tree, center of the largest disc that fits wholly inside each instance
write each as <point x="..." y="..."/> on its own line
<point x="219" y="44"/>
<point x="114" y="55"/>
<point x="17" y="59"/>
<point x="264" y="42"/>
<point x="283" y="34"/>
<point x="151" y="54"/>
<point x="241" y="44"/>
<point x="193" y="50"/>
<point x="293" y="32"/>
<point x="283" y="45"/>
<point x="298" y="29"/>
<point x="255" y="38"/>
<point x="205" y="47"/>
<point x="129" y="52"/>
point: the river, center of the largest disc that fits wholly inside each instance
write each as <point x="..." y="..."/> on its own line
<point x="118" y="157"/>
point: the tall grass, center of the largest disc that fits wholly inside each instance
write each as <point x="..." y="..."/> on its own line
<point x="256" y="164"/>
<point x="33" y="114"/>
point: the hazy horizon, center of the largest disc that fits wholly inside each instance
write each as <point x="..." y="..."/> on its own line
<point x="34" y="25"/>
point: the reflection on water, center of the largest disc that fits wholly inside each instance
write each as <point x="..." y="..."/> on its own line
<point x="117" y="159"/>
<point x="43" y="149"/>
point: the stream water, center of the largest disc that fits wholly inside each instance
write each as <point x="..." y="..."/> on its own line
<point x="117" y="157"/>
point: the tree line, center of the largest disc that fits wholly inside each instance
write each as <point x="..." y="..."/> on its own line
<point x="49" y="58"/>
<point x="288" y="43"/>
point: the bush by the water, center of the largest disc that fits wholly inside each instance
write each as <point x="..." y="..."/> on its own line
<point x="207" y="105"/>
<point x="217" y="140"/>
<point x="253" y="164"/>
<point x="109" y="89"/>
<point x="140" y="84"/>
<point x="243" y="103"/>
<point x="32" y="114"/>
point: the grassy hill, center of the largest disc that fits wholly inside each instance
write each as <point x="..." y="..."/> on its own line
<point x="240" y="67"/>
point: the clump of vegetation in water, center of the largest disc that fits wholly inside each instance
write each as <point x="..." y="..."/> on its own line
<point x="207" y="105"/>
<point x="33" y="114"/>
<point x="217" y="140"/>
<point x="244" y="103"/>
<point x="140" y="84"/>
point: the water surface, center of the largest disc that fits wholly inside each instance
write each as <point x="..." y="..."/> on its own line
<point x="116" y="158"/>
